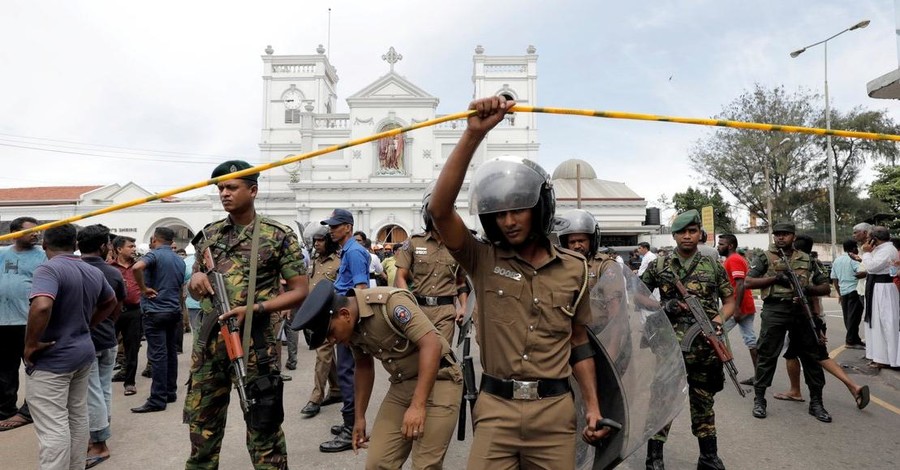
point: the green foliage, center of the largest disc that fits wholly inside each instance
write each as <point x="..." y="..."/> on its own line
<point x="886" y="188"/>
<point x="796" y="163"/>
<point x="699" y="198"/>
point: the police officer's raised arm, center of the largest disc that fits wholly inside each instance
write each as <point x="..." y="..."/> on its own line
<point x="490" y="111"/>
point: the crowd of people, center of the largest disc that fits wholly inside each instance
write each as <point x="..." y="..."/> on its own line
<point x="531" y="272"/>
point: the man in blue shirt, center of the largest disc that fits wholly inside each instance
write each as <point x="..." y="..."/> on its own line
<point x="844" y="278"/>
<point x="161" y="306"/>
<point x="17" y="265"/>
<point x="352" y="274"/>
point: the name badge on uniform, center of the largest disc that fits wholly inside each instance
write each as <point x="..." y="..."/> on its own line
<point x="507" y="273"/>
<point x="421" y="250"/>
<point x="402" y="314"/>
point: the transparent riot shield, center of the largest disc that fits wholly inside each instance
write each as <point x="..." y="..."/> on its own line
<point x="641" y="377"/>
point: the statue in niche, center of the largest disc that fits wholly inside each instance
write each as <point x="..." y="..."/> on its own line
<point x="390" y="155"/>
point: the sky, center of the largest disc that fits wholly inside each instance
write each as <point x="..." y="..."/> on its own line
<point x="102" y="92"/>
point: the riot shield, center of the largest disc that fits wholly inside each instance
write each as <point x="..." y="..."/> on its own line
<point x="641" y="376"/>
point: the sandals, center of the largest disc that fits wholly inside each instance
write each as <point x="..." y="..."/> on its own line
<point x="863" y="398"/>
<point x="13" y="422"/>
<point x="786" y="397"/>
<point x="130" y="390"/>
<point x="95" y="460"/>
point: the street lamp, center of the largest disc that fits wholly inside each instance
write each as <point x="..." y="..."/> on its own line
<point x="829" y="152"/>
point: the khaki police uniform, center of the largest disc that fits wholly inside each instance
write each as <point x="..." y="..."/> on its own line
<point x="435" y="276"/>
<point x="325" y="370"/>
<point x="597" y="265"/>
<point x="525" y="317"/>
<point x="389" y="326"/>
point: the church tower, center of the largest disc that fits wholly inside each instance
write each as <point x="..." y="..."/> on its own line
<point x="514" y="76"/>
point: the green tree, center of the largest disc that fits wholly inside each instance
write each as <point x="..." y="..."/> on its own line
<point x="699" y="198"/>
<point x="740" y="160"/>
<point x="886" y="189"/>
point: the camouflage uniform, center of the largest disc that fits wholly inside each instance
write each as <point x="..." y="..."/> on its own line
<point x="435" y="275"/>
<point x="781" y="314"/>
<point x="209" y="387"/>
<point x="709" y="283"/>
<point x="325" y="370"/>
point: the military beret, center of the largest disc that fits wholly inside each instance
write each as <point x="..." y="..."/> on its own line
<point x="315" y="314"/>
<point x="232" y="166"/>
<point x="684" y="219"/>
<point x="784" y="227"/>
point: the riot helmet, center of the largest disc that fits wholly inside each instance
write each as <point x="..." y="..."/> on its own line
<point x="509" y="183"/>
<point x="578" y="221"/>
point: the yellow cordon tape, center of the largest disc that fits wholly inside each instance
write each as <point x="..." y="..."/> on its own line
<point x="452" y="117"/>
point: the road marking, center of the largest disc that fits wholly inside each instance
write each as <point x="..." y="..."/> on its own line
<point x="872" y="398"/>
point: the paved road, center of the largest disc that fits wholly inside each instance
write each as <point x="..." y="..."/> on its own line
<point x="788" y="439"/>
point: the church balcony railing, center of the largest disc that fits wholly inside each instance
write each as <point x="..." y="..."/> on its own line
<point x="505" y="68"/>
<point x="460" y="124"/>
<point x="293" y="68"/>
<point x="338" y="121"/>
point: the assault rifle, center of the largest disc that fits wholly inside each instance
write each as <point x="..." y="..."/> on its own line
<point x="231" y="334"/>
<point x="798" y="292"/>
<point x="713" y="338"/>
<point x="229" y="329"/>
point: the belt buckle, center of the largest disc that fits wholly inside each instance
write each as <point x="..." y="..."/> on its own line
<point x="431" y="301"/>
<point x="525" y="390"/>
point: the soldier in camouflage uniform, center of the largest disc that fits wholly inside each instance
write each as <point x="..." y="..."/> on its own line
<point x="781" y="313"/>
<point x="436" y="277"/>
<point x="279" y="257"/>
<point x="706" y="279"/>
<point x="325" y="266"/>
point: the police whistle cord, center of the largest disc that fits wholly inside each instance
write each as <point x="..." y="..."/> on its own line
<point x="712" y="336"/>
<point x="453" y="117"/>
<point x="801" y="297"/>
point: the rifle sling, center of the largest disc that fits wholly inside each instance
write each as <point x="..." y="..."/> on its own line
<point x="251" y="291"/>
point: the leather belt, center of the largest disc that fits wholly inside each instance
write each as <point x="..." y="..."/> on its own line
<point x="511" y="389"/>
<point x="434" y="301"/>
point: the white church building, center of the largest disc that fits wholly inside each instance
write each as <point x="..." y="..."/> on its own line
<point x="381" y="182"/>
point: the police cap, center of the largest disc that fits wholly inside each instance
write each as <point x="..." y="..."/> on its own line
<point x="684" y="219"/>
<point x="232" y="166"/>
<point x="315" y="314"/>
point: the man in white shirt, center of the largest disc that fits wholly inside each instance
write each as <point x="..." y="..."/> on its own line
<point x="882" y="314"/>
<point x="647" y="256"/>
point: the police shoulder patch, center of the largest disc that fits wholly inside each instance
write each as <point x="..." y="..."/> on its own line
<point x="402" y="314"/>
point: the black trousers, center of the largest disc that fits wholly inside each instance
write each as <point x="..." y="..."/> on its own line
<point x="771" y="340"/>
<point x="129" y="325"/>
<point x="12" y="347"/>
<point x="852" y="308"/>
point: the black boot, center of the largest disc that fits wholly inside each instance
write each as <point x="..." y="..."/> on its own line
<point x="816" y="408"/>
<point x="709" y="454"/>
<point x="655" y="455"/>
<point x="759" y="403"/>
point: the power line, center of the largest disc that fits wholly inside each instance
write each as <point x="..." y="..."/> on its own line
<point x="99" y="147"/>
<point x="130" y="158"/>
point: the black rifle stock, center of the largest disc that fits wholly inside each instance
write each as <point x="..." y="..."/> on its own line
<point x="712" y="337"/>
<point x="798" y="292"/>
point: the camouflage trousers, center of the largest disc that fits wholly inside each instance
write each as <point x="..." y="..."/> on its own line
<point x="206" y="409"/>
<point x="705" y="378"/>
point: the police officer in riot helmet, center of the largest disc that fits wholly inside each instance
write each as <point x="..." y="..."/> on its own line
<point x="525" y="414"/>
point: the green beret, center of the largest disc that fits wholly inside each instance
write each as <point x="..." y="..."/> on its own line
<point x="232" y="166"/>
<point x="784" y="227"/>
<point x="684" y="219"/>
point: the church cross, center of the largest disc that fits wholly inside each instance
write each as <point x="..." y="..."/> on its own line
<point x="392" y="57"/>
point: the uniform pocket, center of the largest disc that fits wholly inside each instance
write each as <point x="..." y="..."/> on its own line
<point x="503" y="300"/>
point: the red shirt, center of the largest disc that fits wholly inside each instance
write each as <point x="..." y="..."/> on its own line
<point x="132" y="291"/>
<point x="736" y="267"/>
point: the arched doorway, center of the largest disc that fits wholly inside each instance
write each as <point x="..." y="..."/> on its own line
<point x="183" y="232"/>
<point x="391" y="234"/>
